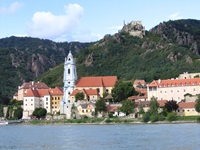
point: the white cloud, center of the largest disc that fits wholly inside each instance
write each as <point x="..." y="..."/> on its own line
<point x="175" y="16"/>
<point x="48" y="25"/>
<point x="10" y="9"/>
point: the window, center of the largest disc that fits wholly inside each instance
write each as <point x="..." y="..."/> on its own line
<point x="68" y="71"/>
<point x="31" y="99"/>
<point x="26" y="100"/>
<point x="31" y="104"/>
<point x="171" y="91"/>
<point x="160" y="91"/>
<point x="188" y="110"/>
<point x="58" y="98"/>
<point x="55" y="106"/>
<point x="55" y="102"/>
<point x="47" y="107"/>
<point x="52" y="103"/>
<point x="55" y="98"/>
<point x="46" y="98"/>
<point x="46" y="103"/>
<point x="83" y="111"/>
<point x="184" y="90"/>
<point x="52" y="98"/>
<point x="69" y="59"/>
<point x="194" y="89"/>
<point x="25" y="104"/>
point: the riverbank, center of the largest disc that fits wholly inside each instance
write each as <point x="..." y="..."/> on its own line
<point x="99" y="121"/>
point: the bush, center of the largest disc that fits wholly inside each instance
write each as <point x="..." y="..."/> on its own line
<point x="146" y="117"/>
<point x="18" y="113"/>
<point x="154" y="117"/>
<point x="108" y="120"/>
<point x="110" y="115"/>
<point x="198" y="119"/>
<point x="171" y="116"/>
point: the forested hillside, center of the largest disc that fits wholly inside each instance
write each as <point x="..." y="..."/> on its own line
<point x="165" y="51"/>
<point x="24" y="59"/>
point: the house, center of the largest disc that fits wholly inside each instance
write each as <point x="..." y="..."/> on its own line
<point x="173" y="89"/>
<point x="86" y="109"/>
<point x="22" y="90"/>
<point x="139" y="84"/>
<point x="89" y="95"/>
<point x="137" y="98"/>
<point x="114" y="109"/>
<point x="187" y="109"/>
<point x="41" y="98"/>
<point x="100" y="83"/>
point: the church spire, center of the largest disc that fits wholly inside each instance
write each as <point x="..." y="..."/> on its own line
<point x="69" y="79"/>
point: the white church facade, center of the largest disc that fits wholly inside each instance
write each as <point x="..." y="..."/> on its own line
<point x="69" y="79"/>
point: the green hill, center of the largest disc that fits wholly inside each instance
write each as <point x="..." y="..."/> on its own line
<point x="165" y="51"/>
<point x="24" y="59"/>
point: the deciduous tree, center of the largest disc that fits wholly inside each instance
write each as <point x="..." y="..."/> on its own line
<point x="127" y="107"/>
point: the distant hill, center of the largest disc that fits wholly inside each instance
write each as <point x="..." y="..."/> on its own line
<point x="24" y="59"/>
<point x="164" y="52"/>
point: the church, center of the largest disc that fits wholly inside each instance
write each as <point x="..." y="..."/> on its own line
<point x="92" y="87"/>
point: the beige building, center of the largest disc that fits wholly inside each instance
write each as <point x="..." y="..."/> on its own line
<point x="187" y="75"/>
<point x="86" y="109"/>
<point x="22" y="90"/>
<point x="187" y="109"/>
<point x="89" y="95"/>
<point x="173" y="89"/>
<point x="41" y="98"/>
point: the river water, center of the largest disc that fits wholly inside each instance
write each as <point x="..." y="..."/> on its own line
<point x="101" y="137"/>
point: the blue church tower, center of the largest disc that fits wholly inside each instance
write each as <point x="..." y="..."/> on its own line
<point x="69" y="79"/>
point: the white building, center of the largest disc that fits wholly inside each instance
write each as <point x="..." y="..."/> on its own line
<point x="173" y="89"/>
<point x="41" y="98"/>
<point x="69" y="79"/>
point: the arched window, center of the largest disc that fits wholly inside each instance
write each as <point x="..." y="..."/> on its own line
<point x="68" y="71"/>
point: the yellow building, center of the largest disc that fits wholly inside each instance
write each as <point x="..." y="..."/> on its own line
<point x="56" y="96"/>
<point x="187" y="109"/>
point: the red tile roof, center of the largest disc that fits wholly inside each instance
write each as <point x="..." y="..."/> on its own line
<point x="42" y="92"/>
<point x="32" y="84"/>
<point x="137" y="97"/>
<point x="187" y="105"/>
<point x="87" y="92"/>
<point x="32" y="93"/>
<point x="98" y="81"/>
<point x="113" y="108"/>
<point x="175" y="82"/>
<point x="136" y="82"/>
<point x="91" y="92"/>
<point x="162" y="102"/>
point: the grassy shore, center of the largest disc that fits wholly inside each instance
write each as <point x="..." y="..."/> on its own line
<point x="180" y="119"/>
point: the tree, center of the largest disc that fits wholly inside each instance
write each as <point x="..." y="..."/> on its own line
<point x="171" y="106"/>
<point x="127" y="107"/>
<point x="79" y="96"/>
<point x="197" y="105"/>
<point x="39" y="112"/>
<point x="18" y="113"/>
<point x="122" y="90"/>
<point x="153" y="106"/>
<point x="100" y="106"/>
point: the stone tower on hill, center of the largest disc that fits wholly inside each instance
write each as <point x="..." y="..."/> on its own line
<point x="69" y="79"/>
<point x="134" y="28"/>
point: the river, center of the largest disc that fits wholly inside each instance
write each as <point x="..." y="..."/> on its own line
<point x="101" y="137"/>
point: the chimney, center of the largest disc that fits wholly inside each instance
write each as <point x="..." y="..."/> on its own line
<point x="159" y="81"/>
<point x="32" y="82"/>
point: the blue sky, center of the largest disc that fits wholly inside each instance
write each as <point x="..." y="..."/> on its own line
<point x="87" y="20"/>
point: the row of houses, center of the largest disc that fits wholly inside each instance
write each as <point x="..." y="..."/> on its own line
<point x="38" y="94"/>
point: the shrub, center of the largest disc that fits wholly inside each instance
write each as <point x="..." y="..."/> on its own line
<point x="198" y="119"/>
<point x="110" y="115"/>
<point x="171" y="116"/>
<point x="154" y="117"/>
<point x="146" y="117"/>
